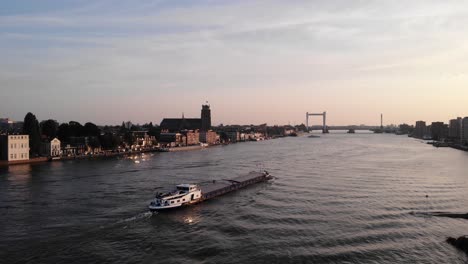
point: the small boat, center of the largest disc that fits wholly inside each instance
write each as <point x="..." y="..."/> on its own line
<point x="184" y="194"/>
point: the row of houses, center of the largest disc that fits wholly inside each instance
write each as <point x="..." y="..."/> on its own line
<point x="456" y="130"/>
<point x="16" y="148"/>
<point x="188" y="138"/>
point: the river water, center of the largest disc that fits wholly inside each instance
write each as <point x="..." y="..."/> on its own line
<point x="340" y="198"/>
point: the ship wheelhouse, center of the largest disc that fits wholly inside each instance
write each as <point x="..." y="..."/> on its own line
<point x="183" y="194"/>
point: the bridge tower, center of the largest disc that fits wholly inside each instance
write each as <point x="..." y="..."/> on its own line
<point x="324" y="116"/>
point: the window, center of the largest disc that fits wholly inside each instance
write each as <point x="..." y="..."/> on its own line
<point x="11" y="156"/>
<point x="172" y="201"/>
<point x="183" y="200"/>
<point x="15" y="156"/>
<point x="178" y="201"/>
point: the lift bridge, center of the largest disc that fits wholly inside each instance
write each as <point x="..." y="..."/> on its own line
<point x="325" y="128"/>
<point x="324" y="116"/>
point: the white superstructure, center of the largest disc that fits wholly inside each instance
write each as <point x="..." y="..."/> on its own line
<point x="183" y="194"/>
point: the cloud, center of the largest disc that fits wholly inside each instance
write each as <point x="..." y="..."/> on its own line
<point x="165" y="52"/>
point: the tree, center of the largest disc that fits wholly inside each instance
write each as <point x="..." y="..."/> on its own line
<point x="301" y="127"/>
<point x="155" y="131"/>
<point x="109" y="141"/>
<point x="49" y="128"/>
<point x="76" y="129"/>
<point x="63" y="132"/>
<point x="91" y="130"/>
<point x="31" y="128"/>
<point x="123" y="129"/>
<point x="224" y="136"/>
<point x="147" y="125"/>
<point x="94" y="142"/>
<point x="129" y="138"/>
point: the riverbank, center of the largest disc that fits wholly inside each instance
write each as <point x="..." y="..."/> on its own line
<point x="107" y="154"/>
<point x="5" y="163"/>
<point x="439" y="144"/>
<point x="186" y="148"/>
<point x="110" y="154"/>
<point x="77" y="157"/>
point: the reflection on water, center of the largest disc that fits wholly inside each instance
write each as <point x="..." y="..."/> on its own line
<point x="190" y="215"/>
<point x="20" y="174"/>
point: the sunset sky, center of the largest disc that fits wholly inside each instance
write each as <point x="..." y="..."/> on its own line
<point x="254" y="61"/>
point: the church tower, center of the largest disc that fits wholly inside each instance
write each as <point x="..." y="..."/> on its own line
<point x="205" y="118"/>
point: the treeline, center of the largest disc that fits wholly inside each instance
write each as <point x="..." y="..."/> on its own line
<point x="110" y="137"/>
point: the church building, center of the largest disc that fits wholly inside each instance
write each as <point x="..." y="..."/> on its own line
<point x="174" y="125"/>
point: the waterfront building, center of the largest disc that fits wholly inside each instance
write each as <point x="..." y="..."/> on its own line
<point x="455" y="128"/>
<point x="464" y="130"/>
<point x="51" y="148"/>
<point x="14" y="147"/>
<point x="439" y="130"/>
<point x="171" y="139"/>
<point x="143" y="140"/>
<point x="244" y="136"/>
<point x="195" y="130"/>
<point x="233" y="136"/>
<point x="420" y="129"/>
<point x="75" y="146"/>
<point x="192" y="137"/>
<point x="74" y="150"/>
<point x="208" y="137"/>
<point x="289" y="131"/>
<point x="175" y="125"/>
<point x="205" y="118"/>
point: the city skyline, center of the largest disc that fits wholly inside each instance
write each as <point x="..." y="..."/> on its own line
<point x="108" y="62"/>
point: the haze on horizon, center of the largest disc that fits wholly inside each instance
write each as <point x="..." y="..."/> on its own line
<point x="254" y="61"/>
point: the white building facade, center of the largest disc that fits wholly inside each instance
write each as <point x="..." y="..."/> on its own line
<point x="55" y="148"/>
<point x="51" y="149"/>
<point x="14" y="147"/>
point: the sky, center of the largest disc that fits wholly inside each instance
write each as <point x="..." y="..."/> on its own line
<point x="253" y="61"/>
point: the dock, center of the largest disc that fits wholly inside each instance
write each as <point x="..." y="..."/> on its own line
<point x="224" y="186"/>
